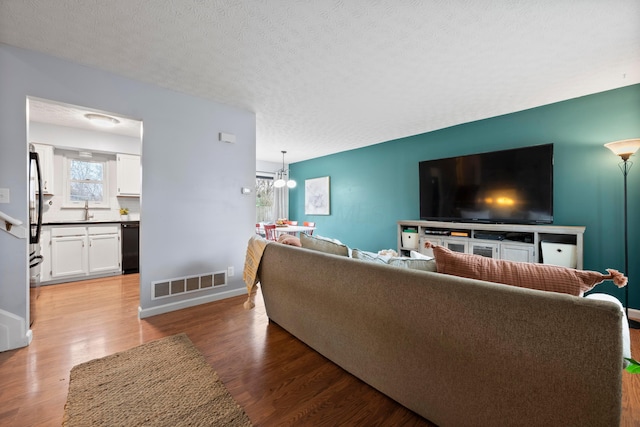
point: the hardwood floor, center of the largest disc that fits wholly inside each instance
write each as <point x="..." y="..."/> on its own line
<point x="274" y="377"/>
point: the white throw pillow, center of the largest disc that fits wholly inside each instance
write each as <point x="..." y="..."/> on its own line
<point x="402" y="262"/>
<point x="418" y="255"/>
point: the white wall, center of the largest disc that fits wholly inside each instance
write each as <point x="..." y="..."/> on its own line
<point x="268" y="168"/>
<point x="194" y="218"/>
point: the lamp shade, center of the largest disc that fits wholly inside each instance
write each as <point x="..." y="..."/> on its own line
<point x="624" y="148"/>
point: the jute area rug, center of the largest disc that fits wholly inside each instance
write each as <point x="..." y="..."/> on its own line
<point x="162" y="383"/>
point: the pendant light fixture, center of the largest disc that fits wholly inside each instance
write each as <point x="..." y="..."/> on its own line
<point x="282" y="176"/>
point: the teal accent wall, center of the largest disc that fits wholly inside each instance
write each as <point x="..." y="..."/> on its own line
<point x="374" y="187"/>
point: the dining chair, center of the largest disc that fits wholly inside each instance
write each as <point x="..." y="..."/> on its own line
<point x="293" y="233"/>
<point x="270" y="232"/>
<point x="259" y="229"/>
<point x="309" y="224"/>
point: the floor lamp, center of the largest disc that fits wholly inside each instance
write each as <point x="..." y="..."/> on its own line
<point x="625" y="149"/>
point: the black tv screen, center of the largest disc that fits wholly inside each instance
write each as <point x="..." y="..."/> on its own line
<point x="508" y="186"/>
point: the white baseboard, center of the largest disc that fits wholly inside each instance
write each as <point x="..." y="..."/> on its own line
<point x="12" y="331"/>
<point x="634" y="314"/>
<point x="179" y="305"/>
<point x="79" y="278"/>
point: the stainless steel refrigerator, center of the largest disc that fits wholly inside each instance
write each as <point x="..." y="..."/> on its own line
<point x="35" y="226"/>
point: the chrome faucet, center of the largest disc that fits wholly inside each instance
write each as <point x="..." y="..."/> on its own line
<point x="87" y="217"/>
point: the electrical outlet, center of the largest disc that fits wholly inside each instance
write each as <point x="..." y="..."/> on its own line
<point x="4" y="195"/>
<point x="230" y="271"/>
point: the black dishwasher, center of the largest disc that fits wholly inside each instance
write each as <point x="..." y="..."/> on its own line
<point x="130" y="247"/>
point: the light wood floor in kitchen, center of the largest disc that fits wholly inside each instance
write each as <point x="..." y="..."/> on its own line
<point x="275" y="378"/>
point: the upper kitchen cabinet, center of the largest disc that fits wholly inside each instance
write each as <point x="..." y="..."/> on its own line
<point x="128" y="175"/>
<point x="45" y="153"/>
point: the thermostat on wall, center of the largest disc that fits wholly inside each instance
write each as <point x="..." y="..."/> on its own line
<point x="227" y="137"/>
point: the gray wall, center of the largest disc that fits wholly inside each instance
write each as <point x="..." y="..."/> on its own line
<point x="194" y="218"/>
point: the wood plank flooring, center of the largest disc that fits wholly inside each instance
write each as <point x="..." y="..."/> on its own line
<point x="277" y="380"/>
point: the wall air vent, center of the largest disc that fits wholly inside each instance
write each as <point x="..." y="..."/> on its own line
<point x="185" y="285"/>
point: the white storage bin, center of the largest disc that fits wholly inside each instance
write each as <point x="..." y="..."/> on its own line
<point x="562" y="254"/>
<point x="410" y="239"/>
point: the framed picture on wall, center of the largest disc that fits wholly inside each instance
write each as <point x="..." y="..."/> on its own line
<point x="316" y="196"/>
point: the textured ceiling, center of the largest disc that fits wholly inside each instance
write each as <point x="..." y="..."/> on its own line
<point x="328" y="76"/>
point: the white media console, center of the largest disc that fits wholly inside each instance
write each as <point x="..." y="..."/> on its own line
<point x="515" y="242"/>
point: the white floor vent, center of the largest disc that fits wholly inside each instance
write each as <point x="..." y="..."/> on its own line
<point x="183" y="285"/>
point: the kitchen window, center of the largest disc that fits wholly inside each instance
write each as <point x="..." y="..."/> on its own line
<point x="86" y="181"/>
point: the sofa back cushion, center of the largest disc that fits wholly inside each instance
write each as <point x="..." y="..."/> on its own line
<point x="323" y="244"/>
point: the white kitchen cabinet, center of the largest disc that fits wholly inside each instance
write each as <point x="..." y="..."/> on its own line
<point x="68" y="256"/>
<point x="104" y="249"/>
<point x="80" y="252"/>
<point x="45" y="153"/>
<point x="128" y="175"/>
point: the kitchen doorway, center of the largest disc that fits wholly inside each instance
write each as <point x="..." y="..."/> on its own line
<point x="90" y="162"/>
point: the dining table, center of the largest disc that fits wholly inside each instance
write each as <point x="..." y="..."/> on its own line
<point x="293" y="229"/>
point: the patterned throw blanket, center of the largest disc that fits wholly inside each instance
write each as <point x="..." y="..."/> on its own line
<point x="255" y="249"/>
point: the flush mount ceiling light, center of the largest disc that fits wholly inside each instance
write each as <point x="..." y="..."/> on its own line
<point x="282" y="176"/>
<point x="101" y="120"/>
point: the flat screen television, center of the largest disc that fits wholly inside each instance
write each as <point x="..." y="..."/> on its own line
<point x="508" y="186"/>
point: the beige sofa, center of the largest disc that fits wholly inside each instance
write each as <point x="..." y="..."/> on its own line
<point x="459" y="352"/>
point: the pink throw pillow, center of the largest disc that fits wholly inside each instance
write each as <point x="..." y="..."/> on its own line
<point x="543" y="277"/>
<point x="290" y="240"/>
